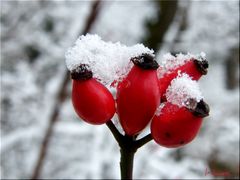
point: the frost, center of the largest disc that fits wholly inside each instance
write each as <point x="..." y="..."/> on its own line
<point x="108" y="61"/>
<point x="171" y="62"/>
<point x="159" y="109"/>
<point x="28" y="92"/>
<point x="183" y="89"/>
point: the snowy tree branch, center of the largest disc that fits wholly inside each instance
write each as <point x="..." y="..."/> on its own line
<point x="61" y="96"/>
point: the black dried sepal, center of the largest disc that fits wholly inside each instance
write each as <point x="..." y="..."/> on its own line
<point x="145" y="61"/>
<point x="202" y="65"/>
<point x="82" y="72"/>
<point x="201" y="109"/>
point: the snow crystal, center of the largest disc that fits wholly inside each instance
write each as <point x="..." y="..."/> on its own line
<point x="159" y="109"/>
<point x="108" y="61"/>
<point x="171" y="62"/>
<point x="183" y="89"/>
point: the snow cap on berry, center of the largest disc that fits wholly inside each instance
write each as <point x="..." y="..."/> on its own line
<point x="183" y="90"/>
<point x="108" y="61"/>
<point x="171" y="62"/>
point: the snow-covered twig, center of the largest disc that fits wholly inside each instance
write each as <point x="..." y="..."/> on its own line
<point x="61" y="96"/>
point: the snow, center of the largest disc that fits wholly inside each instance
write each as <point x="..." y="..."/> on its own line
<point x="28" y="88"/>
<point x="81" y="151"/>
<point x="221" y="128"/>
<point x="124" y="21"/>
<point x="209" y="23"/>
<point x="108" y="61"/>
<point x="182" y="89"/>
<point x="169" y="62"/>
<point x="167" y="164"/>
<point x="158" y="111"/>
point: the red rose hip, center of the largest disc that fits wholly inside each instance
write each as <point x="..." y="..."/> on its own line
<point x="177" y="126"/>
<point x="138" y="95"/>
<point x="91" y="100"/>
<point x="195" y="68"/>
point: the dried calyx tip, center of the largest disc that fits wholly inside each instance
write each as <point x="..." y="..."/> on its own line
<point x="145" y="61"/>
<point x="202" y="65"/>
<point x="82" y="72"/>
<point x="200" y="109"/>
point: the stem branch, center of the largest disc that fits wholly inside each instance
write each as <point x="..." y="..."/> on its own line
<point x="117" y="135"/>
<point x="128" y="147"/>
<point x="139" y="143"/>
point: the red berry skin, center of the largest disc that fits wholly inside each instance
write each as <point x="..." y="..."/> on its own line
<point x="137" y="99"/>
<point x="190" y="67"/>
<point x="175" y="126"/>
<point x="92" y="101"/>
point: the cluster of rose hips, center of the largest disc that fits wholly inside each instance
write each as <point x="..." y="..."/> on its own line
<point x="138" y="96"/>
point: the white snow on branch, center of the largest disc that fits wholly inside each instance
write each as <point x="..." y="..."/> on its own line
<point x="182" y="89"/>
<point x="108" y="61"/>
<point x="170" y="62"/>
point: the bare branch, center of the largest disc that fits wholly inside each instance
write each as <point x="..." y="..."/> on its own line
<point x="139" y="143"/>
<point x="117" y="135"/>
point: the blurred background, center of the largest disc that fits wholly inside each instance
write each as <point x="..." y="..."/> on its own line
<point x="41" y="136"/>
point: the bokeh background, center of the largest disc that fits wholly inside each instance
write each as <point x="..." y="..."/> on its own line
<point x="41" y="136"/>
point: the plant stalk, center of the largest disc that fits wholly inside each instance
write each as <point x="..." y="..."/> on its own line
<point x="126" y="163"/>
<point x="128" y="147"/>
